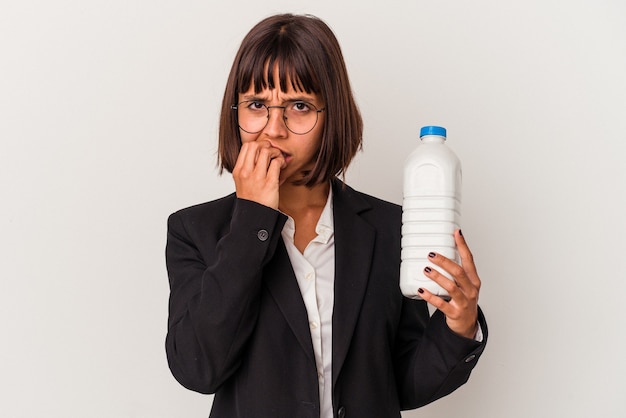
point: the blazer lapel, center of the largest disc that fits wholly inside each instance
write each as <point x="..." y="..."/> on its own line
<point x="283" y="286"/>
<point x="354" y="245"/>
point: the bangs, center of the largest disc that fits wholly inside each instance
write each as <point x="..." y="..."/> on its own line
<point x="258" y="68"/>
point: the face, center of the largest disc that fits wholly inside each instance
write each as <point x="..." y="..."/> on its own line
<point x="300" y="151"/>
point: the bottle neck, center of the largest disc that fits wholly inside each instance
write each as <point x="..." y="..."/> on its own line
<point x="433" y="139"/>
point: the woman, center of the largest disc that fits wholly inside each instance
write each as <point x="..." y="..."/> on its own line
<point x="285" y="299"/>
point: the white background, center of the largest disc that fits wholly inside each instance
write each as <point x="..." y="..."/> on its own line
<point x="108" y="121"/>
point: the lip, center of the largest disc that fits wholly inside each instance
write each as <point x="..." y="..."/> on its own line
<point x="286" y="155"/>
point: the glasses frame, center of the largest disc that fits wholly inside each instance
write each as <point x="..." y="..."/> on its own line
<point x="267" y="108"/>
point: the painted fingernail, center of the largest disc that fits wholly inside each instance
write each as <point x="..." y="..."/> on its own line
<point x="460" y="232"/>
<point x="420" y="290"/>
<point x="427" y="269"/>
<point x="431" y="255"/>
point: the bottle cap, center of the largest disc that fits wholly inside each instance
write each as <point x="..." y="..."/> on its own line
<point x="433" y="130"/>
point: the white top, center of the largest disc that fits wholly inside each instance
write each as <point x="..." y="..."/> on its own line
<point x="315" y="273"/>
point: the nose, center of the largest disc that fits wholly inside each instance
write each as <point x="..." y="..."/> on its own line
<point x="276" y="126"/>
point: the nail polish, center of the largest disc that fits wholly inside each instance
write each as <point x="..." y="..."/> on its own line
<point x="427" y="269"/>
<point x="460" y="232"/>
<point x="420" y="290"/>
<point x="431" y="255"/>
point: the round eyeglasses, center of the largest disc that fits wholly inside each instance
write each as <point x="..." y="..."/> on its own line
<point x="300" y="117"/>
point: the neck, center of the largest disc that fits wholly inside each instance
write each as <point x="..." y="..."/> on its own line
<point x="297" y="198"/>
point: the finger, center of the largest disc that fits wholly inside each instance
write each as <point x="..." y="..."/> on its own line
<point x="461" y="287"/>
<point x="467" y="258"/>
<point x="265" y="158"/>
<point x="248" y="155"/>
<point x="246" y="159"/>
<point x="434" y="300"/>
<point x="276" y="164"/>
<point x="460" y="320"/>
<point x="451" y="267"/>
<point x="258" y="147"/>
<point x="241" y="157"/>
<point x="450" y="286"/>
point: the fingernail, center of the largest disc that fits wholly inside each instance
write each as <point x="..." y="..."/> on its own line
<point x="420" y="290"/>
<point x="460" y="232"/>
<point x="427" y="269"/>
<point x="431" y="255"/>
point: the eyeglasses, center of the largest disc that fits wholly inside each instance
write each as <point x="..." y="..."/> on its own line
<point x="300" y="117"/>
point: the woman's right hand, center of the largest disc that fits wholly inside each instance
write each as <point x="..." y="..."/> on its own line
<point x="257" y="171"/>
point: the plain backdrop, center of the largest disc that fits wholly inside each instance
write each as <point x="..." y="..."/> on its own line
<point x="108" y="122"/>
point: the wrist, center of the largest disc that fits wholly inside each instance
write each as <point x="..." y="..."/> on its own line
<point x="466" y="330"/>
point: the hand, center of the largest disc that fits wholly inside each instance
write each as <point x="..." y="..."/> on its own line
<point x="461" y="310"/>
<point x="257" y="171"/>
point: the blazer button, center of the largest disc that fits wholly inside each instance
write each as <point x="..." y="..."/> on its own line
<point x="341" y="413"/>
<point x="263" y="235"/>
<point x="470" y="358"/>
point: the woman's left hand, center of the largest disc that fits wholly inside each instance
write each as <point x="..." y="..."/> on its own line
<point x="461" y="310"/>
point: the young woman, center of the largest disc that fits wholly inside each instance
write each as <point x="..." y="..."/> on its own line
<point x="285" y="298"/>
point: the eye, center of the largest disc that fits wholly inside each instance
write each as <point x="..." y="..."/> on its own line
<point x="255" y="106"/>
<point x="300" y="107"/>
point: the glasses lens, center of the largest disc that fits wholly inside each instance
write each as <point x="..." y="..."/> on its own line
<point x="252" y="116"/>
<point x="300" y="117"/>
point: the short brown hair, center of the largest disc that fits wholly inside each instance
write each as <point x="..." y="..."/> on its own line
<point x="306" y="52"/>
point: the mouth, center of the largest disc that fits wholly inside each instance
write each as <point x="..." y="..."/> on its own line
<point x="286" y="156"/>
<point x="286" y="159"/>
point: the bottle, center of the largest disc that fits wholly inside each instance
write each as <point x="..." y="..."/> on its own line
<point x="431" y="211"/>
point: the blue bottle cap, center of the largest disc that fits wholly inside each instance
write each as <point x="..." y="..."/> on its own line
<point x="433" y="130"/>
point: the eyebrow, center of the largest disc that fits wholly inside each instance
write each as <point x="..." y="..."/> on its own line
<point x="257" y="98"/>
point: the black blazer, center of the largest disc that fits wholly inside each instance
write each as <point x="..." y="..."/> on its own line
<point x="238" y="325"/>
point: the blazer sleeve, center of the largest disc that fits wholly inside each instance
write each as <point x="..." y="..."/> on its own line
<point x="215" y="280"/>
<point x="432" y="360"/>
